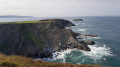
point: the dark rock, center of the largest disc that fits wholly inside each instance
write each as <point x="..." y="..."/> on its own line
<point x="73" y="33"/>
<point x="77" y="19"/>
<point x="87" y="42"/>
<point x="90" y="35"/>
<point x="79" y="38"/>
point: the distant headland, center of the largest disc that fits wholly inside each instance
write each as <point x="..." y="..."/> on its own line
<point x="13" y="16"/>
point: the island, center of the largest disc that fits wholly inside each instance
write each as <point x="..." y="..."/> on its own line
<point x="77" y="19"/>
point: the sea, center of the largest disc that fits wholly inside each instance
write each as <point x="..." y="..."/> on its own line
<point x="105" y="52"/>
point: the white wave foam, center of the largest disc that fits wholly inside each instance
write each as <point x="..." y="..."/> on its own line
<point x="61" y="55"/>
<point x="57" y="55"/>
<point x="82" y="30"/>
<point x="97" y="37"/>
<point x="97" y="52"/>
<point x="88" y="37"/>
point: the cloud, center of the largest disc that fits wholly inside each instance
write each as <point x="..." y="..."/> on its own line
<point x="51" y="8"/>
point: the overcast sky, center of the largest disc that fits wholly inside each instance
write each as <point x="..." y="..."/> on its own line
<point x="60" y="8"/>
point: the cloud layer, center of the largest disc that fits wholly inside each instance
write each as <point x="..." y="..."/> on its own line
<point x="56" y="8"/>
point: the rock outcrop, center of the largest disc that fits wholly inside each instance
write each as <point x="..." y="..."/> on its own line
<point x="89" y="35"/>
<point x="39" y="39"/>
<point x="87" y="42"/>
<point x="77" y="19"/>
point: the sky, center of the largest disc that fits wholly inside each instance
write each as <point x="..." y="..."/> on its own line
<point x="60" y="8"/>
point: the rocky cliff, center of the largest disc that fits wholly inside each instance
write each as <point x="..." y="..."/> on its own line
<point x="39" y="39"/>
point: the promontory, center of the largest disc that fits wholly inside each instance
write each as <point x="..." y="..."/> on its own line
<point x="39" y="38"/>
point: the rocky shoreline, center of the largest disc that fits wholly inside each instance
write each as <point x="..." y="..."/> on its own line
<point x="40" y="39"/>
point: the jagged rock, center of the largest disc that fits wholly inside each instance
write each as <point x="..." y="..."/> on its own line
<point x="87" y="42"/>
<point x="73" y="33"/>
<point x="90" y="35"/>
<point x="79" y="38"/>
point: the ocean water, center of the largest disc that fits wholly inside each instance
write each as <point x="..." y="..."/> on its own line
<point x="107" y="48"/>
<point x="105" y="52"/>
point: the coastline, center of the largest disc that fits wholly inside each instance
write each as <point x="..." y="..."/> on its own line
<point x="35" y="33"/>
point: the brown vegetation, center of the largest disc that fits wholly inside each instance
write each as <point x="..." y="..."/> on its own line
<point x="20" y="61"/>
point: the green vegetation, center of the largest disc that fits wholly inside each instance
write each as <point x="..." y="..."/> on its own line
<point x="37" y="21"/>
<point x="34" y="39"/>
<point x="41" y="21"/>
<point x="19" y="22"/>
<point x="29" y="36"/>
<point x="42" y="30"/>
<point x="9" y="64"/>
<point x="27" y="22"/>
<point x="20" y="61"/>
<point x="4" y="46"/>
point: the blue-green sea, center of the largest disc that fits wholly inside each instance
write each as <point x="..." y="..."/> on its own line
<point x="105" y="52"/>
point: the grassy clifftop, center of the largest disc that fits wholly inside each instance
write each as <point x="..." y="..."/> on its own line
<point x="21" y="22"/>
<point x="19" y="61"/>
<point x="37" y="21"/>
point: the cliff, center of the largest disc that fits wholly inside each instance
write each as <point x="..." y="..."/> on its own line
<point x="38" y="38"/>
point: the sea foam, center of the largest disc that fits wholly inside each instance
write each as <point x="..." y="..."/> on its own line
<point x="57" y="55"/>
<point x="83" y="30"/>
<point x="98" y="52"/>
<point x="61" y="55"/>
<point x="88" y="37"/>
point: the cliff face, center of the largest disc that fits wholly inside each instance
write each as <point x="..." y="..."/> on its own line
<point x="39" y="39"/>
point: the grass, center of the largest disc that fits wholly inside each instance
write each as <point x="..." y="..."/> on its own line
<point x="43" y="30"/>
<point x="20" y="61"/>
<point x="21" y="22"/>
<point x="37" y="21"/>
<point x="4" y="46"/>
<point x="30" y="36"/>
<point x="28" y="22"/>
<point x="35" y="40"/>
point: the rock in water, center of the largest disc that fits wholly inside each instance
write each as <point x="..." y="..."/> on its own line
<point x="77" y="19"/>
<point x="89" y="35"/>
<point x="87" y="42"/>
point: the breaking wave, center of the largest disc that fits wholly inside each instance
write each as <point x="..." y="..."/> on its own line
<point x="77" y="56"/>
<point x="83" y="30"/>
<point x="98" y="52"/>
<point x="87" y="37"/>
